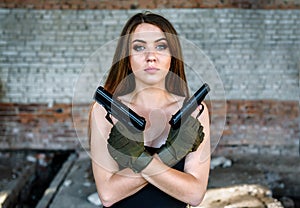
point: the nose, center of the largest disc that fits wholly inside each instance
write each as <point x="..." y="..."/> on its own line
<point x="150" y="56"/>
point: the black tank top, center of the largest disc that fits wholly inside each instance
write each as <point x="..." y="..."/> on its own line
<point x="150" y="196"/>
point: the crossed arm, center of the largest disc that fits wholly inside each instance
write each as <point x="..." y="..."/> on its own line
<point x="114" y="185"/>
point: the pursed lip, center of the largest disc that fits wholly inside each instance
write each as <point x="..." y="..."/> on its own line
<point x="151" y="69"/>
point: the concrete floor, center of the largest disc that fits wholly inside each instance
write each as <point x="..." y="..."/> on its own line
<point x="74" y="183"/>
<point x="271" y="173"/>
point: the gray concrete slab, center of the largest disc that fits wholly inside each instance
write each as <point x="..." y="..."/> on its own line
<point x="76" y="186"/>
<point x="247" y="183"/>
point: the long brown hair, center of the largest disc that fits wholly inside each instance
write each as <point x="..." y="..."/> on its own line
<point x="121" y="68"/>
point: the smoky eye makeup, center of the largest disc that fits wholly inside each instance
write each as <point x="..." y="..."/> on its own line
<point x="138" y="47"/>
<point x="160" y="44"/>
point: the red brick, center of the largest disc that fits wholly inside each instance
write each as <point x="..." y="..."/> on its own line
<point x="145" y="4"/>
<point x="256" y="124"/>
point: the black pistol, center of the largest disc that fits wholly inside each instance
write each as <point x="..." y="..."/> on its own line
<point x="189" y="107"/>
<point x="120" y="111"/>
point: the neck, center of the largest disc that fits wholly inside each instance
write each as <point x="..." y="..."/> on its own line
<point x="151" y="97"/>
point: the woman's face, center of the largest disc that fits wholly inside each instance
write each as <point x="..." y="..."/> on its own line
<point x="150" y="58"/>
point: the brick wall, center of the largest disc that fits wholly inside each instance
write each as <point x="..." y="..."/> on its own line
<point x="255" y="52"/>
<point x="136" y="4"/>
<point x="37" y="126"/>
<point x="260" y="127"/>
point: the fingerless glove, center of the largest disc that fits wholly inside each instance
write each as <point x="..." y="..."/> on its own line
<point x="181" y="141"/>
<point x="127" y="148"/>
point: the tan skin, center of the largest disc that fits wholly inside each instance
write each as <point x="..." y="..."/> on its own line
<point x="150" y="62"/>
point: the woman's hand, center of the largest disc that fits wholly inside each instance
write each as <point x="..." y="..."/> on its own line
<point x="182" y="141"/>
<point x="127" y="148"/>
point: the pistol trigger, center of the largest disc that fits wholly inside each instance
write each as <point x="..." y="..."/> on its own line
<point x="109" y="118"/>
<point x="201" y="110"/>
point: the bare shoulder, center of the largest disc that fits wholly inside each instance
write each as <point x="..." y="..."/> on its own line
<point x="98" y="113"/>
<point x="99" y="134"/>
<point x="203" y="109"/>
<point x="98" y="122"/>
<point x="204" y="118"/>
<point x="199" y="160"/>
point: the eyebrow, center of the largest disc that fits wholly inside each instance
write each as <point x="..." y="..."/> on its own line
<point x="142" y="41"/>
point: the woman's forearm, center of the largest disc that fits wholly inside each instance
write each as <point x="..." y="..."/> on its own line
<point x="180" y="185"/>
<point x="117" y="186"/>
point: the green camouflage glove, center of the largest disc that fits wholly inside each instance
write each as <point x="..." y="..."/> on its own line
<point x="127" y="148"/>
<point x="182" y="141"/>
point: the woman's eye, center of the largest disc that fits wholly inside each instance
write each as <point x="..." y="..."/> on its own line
<point x="162" y="47"/>
<point x="138" y="48"/>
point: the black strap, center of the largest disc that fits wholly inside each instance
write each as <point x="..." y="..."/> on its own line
<point x="109" y="118"/>
<point x="200" y="111"/>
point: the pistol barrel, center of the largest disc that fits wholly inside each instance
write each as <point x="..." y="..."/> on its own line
<point x="120" y="111"/>
<point x="189" y="107"/>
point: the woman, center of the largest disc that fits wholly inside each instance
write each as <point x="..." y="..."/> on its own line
<point x="161" y="166"/>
